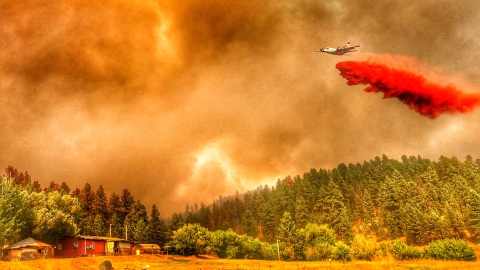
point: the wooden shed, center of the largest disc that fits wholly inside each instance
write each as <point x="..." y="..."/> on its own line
<point x="147" y="249"/>
<point x="83" y="245"/>
<point x="29" y="249"/>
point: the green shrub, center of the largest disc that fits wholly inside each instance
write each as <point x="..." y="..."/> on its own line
<point x="400" y="251"/>
<point x="450" y="249"/>
<point x="363" y="248"/>
<point x="341" y="252"/>
<point x="320" y="251"/>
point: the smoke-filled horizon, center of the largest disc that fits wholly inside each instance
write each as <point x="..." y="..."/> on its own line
<point x="183" y="102"/>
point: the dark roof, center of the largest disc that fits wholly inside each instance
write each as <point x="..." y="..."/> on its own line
<point x="89" y="237"/>
<point x="28" y="242"/>
<point x="147" y="246"/>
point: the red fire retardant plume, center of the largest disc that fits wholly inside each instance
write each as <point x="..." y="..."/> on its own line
<point x="426" y="97"/>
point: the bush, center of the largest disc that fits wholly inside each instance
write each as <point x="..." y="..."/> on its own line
<point x="400" y="251"/>
<point x="320" y="251"/>
<point x="363" y="249"/>
<point x="342" y="252"/>
<point x="450" y="249"/>
<point x="269" y="252"/>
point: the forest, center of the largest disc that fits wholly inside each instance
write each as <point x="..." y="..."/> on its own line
<point x="361" y="210"/>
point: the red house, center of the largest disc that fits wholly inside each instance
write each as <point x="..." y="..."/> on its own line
<point x="82" y="245"/>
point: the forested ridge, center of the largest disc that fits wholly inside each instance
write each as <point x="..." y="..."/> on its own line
<point x="324" y="213"/>
<point x="415" y="198"/>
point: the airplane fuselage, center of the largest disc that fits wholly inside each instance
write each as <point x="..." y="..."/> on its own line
<point x="339" y="51"/>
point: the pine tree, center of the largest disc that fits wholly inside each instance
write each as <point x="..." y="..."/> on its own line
<point x="64" y="187"/>
<point x="87" y="199"/>
<point x="344" y="227"/>
<point x="156" y="227"/>
<point x="302" y="213"/>
<point x="127" y="202"/>
<point x="368" y="210"/>
<point x="390" y="201"/>
<point x="413" y="222"/>
<point x="331" y="210"/>
<point x="432" y="188"/>
<point x="115" y="207"/>
<point x="248" y="224"/>
<point x="175" y="223"/>
<point x="268" y="222"/>
<point x="99" y="228"/>
<point x="100" y="203"/>
<point x="287" y="231"/>
<point x="141" y="232"/>
<point x="137" y="212"/>
<point x="473" y="208"/>
<point x="116" y="226"/>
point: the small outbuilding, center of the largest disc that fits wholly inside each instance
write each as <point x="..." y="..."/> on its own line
<point x="147" y="249"/>
<point x="29" y="249"/>
<point x="84" y="245"/>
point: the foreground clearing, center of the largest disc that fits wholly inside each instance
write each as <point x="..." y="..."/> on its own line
<point x="191" y="263"/>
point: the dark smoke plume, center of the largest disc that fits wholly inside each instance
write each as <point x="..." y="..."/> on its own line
<point x="422" y="95"/>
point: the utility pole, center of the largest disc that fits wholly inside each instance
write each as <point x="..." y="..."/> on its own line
<point x="126" y="232"/>
<point x="110" y="230"/>
<point x="278" y="250"/>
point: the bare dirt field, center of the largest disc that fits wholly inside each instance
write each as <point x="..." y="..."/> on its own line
<point x="208" y="263"/>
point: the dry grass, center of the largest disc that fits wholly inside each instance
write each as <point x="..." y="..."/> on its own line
<point x="191" y="263"/>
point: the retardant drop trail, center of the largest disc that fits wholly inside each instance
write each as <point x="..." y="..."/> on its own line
<point x="424" y="96"/>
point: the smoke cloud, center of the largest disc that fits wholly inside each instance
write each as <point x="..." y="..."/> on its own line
<point x="183" y="101"/>
<point x="425" y="97"/>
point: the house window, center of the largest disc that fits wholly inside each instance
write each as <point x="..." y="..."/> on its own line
<point x="75" y="244"/>
<point x="93" y="245"/>
<point x="59" y="246"/>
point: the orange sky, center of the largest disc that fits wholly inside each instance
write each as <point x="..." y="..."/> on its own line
<point x="181" y="102"/>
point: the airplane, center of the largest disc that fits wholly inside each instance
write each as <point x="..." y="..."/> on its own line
<point x="339" y="51"/>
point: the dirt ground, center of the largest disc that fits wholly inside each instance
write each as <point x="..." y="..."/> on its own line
<point x="210" y="263"/>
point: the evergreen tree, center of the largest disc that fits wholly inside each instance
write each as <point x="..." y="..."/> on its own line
<point x="287" y="229"/>
<point x="75" y="193"/>
<point x="156" y="227"/>
<point x="137" y="212"/>
<point x="127" y="202"/>
<point x="175" y="223"/>
<point x="100" y="203"/>
<point x="268" y="222"/>
<point x="331" y="210"/>
<point x="390" y="201"/>
<point x="249" y="226"/>
<point x="87" y="199"/>
<point x="302" y="213"/>
<point x="473" y="208"/>
<point x="368" y="210"/>
<point x="99" y="228"/>
<point x="141" y="232"/>
<point x="115" y="207"/>
<point x="206" y="217"/>
<point x="413" y="221"/>
<point x="344" y="227"/>
<point x="116" y="226"/>
<point x="64" y="187"/>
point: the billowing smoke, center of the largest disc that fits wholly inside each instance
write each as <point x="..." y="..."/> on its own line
<point x="424" y="96"/>
<point x="181" y="101"/>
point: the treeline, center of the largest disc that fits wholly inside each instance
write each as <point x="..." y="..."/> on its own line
<point x="314" y="242"/>
<point x="415" y="198"/>
<point x="47" y="214"/>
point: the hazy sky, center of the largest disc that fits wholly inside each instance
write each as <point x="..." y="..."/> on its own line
<point x="183" y="101"/>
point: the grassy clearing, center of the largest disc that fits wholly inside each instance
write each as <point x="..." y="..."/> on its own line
<point x="191" y="263"/>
